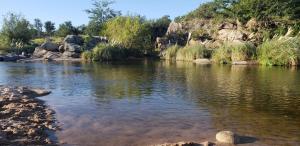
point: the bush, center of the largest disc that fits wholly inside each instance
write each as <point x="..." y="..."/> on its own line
<point x="190" y="53"/>
<point x="38" y="41"/>
<point x="234" y="52"/>
<point x="171" y="52"/>
<point x="280" y="51"/>
<point x="105" y="52"/>
<point x="130" y="32"/>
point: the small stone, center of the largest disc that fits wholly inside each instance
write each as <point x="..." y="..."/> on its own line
<point x="227" y="137"/>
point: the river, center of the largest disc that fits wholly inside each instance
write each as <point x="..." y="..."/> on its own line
<point x="152" y="102"/>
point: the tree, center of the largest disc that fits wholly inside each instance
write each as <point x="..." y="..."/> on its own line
<point x="49" y="27"/>
<point x="159" y="27"/>
<point x="99" y="15"/>
<point x="66" y="29"/>
<point x="129" y="31"/>
<point x="38" y="25"/>
<point x="15" y="30"/>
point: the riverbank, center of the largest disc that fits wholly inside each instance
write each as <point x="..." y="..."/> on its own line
<point x="25" y="120"/>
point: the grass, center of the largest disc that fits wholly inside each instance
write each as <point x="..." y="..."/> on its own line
<point x="105" y="52"/>
<point x="282" y="51"/>
<point x="171" y="52"/>
<point x="230" y="52"/>
<point x="190" y="53"/>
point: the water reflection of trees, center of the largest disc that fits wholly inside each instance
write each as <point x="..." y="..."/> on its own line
<point x="259" y="101"/>
<point x="116" y="80"/>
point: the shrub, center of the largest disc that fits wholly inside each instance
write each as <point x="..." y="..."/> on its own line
<point x="105" y="52"/>
<point x="129" y="31"/>
<point x="38" y="41"/>
<point x="191" y="53"/>
<point x="234" y="52"/>
<point x="280" y="51"/>
<point x="170" y="53"/>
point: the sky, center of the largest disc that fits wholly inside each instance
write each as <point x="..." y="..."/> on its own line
<point x="60" y="11"/>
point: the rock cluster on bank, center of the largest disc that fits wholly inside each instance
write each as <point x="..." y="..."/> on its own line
<point x="70" y="48"/>
<point x="24" y="119"/>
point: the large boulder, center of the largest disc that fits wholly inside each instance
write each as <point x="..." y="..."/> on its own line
<point x="231" y="35"/>
<point x="49" y="46"/>
<point x="227" y="137"/>
<point x="174" y="27"/>
<point x="39" y="52"/>
<point x="52" y="55"/>
<point x="70" y="47"/>
<point x="73" y="39"/>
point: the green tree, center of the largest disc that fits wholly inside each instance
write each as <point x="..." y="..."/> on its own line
<point x="99" y="14"/>
<point x="38" y="25"/>
<point x="49" y="27"/>
<point x="129" y="31"/>
<point x="66" y="29"/>
<point x="15" y="29"/>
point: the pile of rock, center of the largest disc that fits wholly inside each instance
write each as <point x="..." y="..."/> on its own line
<point x="24" y="120"/>
<point x="71" y="47"/>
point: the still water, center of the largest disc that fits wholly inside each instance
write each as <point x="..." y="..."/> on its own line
<point x="151" y="102"/>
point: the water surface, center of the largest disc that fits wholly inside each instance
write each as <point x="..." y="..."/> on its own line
<point x="152" y="102"/>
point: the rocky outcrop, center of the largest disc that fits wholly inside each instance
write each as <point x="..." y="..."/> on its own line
<point x="231" y="35"/>
<point x="25" y="120"/>
<point x="49" y="46"/>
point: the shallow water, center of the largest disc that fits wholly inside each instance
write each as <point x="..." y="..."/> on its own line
<point x="152" y="102"/>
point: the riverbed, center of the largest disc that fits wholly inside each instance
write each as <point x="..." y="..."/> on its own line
<point x="152" y="102"/>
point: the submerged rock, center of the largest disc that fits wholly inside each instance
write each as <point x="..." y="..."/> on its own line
<point x="24" y="119"/>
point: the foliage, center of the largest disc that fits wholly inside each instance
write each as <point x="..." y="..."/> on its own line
<point x="66" y="29"/>
<point x="171" y="52"/>
<point x="280" y="51"/>
<point x="105" y="52"/>
<point x="49" y="27"/>
<point x="229" y="52"/>
<point x="38" y="41"/>
<point x="102" y="11"/>
<point x="130" y="32"/>
<point x="93" y="28"/>
<point x="159" y="27"/>
<point x="15" y="29"/>
<point x="38" y="25"/>
<point x="190" y="53"/>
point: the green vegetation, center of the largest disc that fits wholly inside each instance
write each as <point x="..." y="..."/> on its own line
<point x="280" y="51"/>
<point x="190" y="53"/>
<point x="171" y="52"/>
<point x="129" y="32"/>
<point x="229" y="52"/>
<point x="49" y="27"/>
<point x="105" y="52"/>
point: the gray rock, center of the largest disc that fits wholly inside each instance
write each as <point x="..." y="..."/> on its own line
<point x="174" y="27"/>
<point x="68" y="54"/>
<point x="52" y="55"/>
<point x="12" y="58"/>
<point x="230" y="35"/>
<point x="49" y="47"/>
<point x="39" y="52"/>
<point x="74" y="39"/>
<point x="72" y="47"/>
<point x="61" y="48"/>
<point x="227" y="137"/>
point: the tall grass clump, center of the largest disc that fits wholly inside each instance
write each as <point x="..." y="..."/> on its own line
<point x="190" y="53"/>
<point x="105" y="52"/>
<point x="170" y="53"/>
<point x="230" y="52"/>
<point x="280" y="51"/>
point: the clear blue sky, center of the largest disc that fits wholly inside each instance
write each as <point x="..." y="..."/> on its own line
<point x="73" y="10"/>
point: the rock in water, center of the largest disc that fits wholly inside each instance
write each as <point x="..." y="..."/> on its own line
<point x="227" y="137"/>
